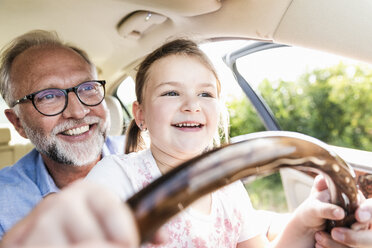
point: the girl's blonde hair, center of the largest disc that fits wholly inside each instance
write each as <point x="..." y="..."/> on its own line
<point x="134" y="140"/>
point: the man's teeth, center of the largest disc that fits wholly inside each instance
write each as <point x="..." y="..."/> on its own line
<point x="187" y="125"/>
<point x="77" y="131"/>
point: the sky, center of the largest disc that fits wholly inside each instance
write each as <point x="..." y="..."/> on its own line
<point x="279" y="63"/>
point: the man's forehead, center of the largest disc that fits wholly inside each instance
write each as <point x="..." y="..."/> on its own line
<point x="44" y="63"/>
<point x="37" y="55"/>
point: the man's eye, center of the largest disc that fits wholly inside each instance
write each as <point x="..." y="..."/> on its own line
<point x="170" y="93"/>
<point x="49" y="96"/>
<point x="87" y="87"/>
<point x="46" y="96"/>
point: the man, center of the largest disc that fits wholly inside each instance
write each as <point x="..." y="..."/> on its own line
<point x="57" y="103"/>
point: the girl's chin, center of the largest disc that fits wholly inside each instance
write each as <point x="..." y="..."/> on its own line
<point x="190" y="152"/>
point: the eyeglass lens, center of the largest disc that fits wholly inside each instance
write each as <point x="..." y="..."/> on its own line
<point x="53" y="101"/>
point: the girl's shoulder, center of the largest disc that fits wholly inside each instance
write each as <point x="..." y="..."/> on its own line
<point x="140" y="167"/>
<point x="127" y="160"/>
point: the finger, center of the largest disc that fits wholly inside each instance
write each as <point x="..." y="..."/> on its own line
<point x="360" y="239"/>
<point x="160" y="237"/>
<point x="319" y="246"/>
<point x="116" y="219"/>
<point x="324" y="240"/>
<point x="95" y="244"/>
<point x="81" y="224"/>
<point x="329" y="211"/>
<point x="357" y="226"/>
<point x="323" y="196"/>
<point x="364" y="212"/>
<point x="320" y="183"/>
<point x="66" y="219"/>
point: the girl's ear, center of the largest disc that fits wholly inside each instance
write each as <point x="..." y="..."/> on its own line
<point x="139" y="117"/>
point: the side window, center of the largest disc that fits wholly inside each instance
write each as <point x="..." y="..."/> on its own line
<point x="319" y="94"/>
<point x="4" y="123"/>
<point x="126" y="95"/>
<point x="3" y="106"/>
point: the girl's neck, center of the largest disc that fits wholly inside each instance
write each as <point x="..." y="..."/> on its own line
<point x="163" y="167"/>
<point x="166" y="161"/>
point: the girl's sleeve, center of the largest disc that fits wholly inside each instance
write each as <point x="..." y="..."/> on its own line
<point x="110" y="173"/>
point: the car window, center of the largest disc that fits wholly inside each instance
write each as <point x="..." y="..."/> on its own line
<point x="319" y="94"/>
<point x="4" y="123"/>
<point x="126" y="94"/>
<point x="3" y="106"/>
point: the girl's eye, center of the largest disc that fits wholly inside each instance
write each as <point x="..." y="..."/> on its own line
<point x="206" y="94"/>
<point x="170" y="93"/>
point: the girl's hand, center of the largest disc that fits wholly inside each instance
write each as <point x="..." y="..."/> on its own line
<point x="309" y="218"/>
<point x="314" y="211"/>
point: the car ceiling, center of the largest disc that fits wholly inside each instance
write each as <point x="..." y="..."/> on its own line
<point x="337" y="26"/>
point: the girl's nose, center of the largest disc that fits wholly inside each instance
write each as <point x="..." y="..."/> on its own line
<point x="191" y="104"/>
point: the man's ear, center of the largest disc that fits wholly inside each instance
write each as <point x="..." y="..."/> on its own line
<point x="14" y="119"/>
<point x="138" y="113"/>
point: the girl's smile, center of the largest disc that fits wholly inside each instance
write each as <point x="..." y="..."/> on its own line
<point x="180" y="106"/>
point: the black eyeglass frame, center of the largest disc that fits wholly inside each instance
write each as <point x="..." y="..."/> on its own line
<point x="31" y="96"/>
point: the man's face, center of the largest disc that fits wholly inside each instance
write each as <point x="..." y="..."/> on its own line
<point x="75" y="136"/>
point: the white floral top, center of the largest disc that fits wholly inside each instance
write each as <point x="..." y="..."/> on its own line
<point x="231" y="220"/>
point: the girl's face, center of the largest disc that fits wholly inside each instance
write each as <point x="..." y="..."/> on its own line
<point x="180" y="108"/>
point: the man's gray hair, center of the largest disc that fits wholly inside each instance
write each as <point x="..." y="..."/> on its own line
<point x="35" y="38"/>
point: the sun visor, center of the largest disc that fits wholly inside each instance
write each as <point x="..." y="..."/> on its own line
<point x="185" y="8"/>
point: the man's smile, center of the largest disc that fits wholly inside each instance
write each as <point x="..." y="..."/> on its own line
<point x="76" y="131"/>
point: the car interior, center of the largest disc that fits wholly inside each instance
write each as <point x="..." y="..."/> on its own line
<point x="117" y="34"/>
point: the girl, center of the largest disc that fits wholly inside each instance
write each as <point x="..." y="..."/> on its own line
<point x="178" y="106"/>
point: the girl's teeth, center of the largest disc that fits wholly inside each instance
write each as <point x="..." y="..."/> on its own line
<point x="77" y="131"/>
<point x="188" y="125"/>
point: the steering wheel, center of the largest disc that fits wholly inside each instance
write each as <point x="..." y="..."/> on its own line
<point x="259" y="153"/>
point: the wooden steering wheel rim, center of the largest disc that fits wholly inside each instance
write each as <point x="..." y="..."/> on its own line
<point x="258" y="153"/>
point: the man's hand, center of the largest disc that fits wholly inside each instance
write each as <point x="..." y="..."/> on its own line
<point x="81" y="215"/>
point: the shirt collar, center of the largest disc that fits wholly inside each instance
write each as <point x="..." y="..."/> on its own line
<point x="43" y="179"/>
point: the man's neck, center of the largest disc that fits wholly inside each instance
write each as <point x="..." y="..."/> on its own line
<point x="63" y="174"/>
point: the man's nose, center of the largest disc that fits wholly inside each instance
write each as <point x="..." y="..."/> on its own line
<point x="75" y="109"/>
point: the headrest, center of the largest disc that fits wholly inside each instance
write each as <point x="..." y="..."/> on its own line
<point x="116" y="114"/>
<point x="4" y="135"/>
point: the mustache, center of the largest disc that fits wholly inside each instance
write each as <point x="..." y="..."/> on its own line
<point x="88" y="120"/>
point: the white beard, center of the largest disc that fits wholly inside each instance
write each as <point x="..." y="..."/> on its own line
<point x="75" y="154"/>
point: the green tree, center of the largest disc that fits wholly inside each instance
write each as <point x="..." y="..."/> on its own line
<point x="332" y="104"/>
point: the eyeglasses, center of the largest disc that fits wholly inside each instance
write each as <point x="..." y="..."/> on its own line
<point x="54" y="101"/>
